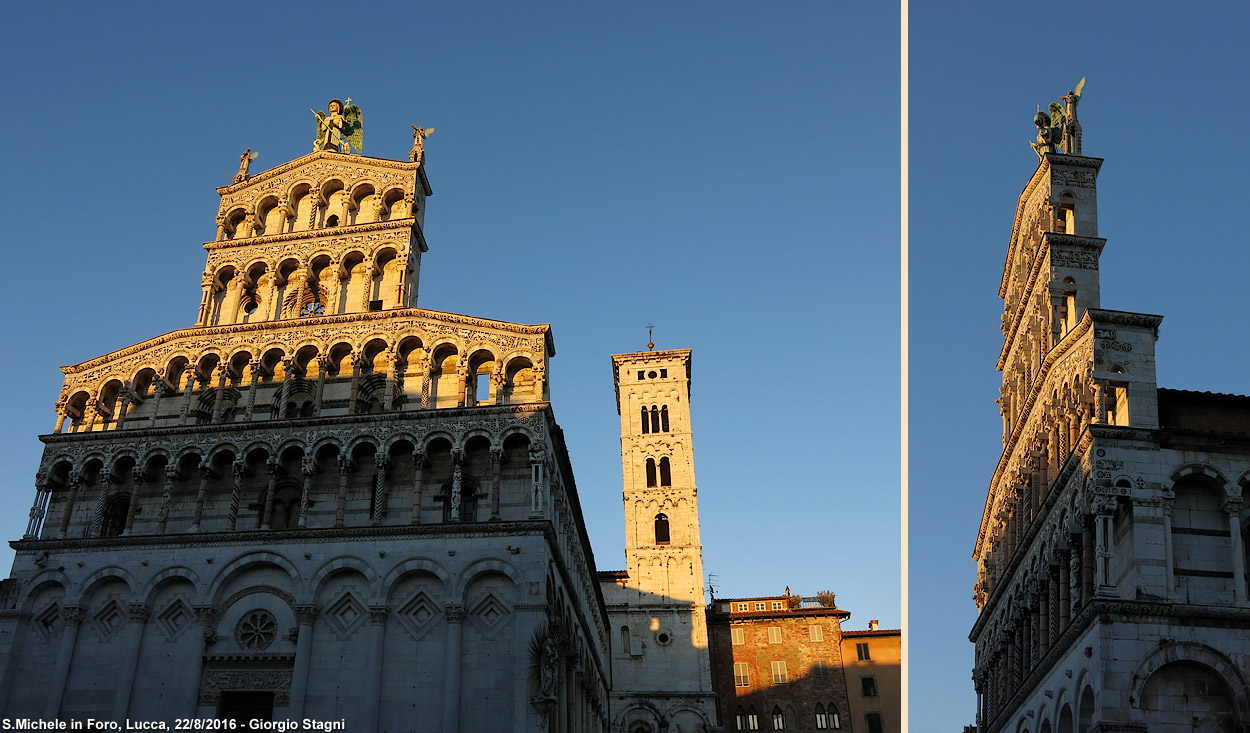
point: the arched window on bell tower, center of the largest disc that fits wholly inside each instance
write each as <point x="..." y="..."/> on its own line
<point x="655" y="419"/>
<point x="661" y="529"/>
<point x="646" y="422"/>
<point x="664" y="419"/>
<point x="666" y="473"/>
<point x="650" y="472"/>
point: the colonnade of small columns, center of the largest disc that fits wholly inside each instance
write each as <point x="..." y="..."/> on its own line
<point x="321" y="204"/>
<point x="245" y="371"/>
<point x="218" y="479"/>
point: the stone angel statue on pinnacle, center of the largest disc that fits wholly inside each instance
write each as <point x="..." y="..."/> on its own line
<point x="1058" y="131"/>
<point x="340" y="128"/>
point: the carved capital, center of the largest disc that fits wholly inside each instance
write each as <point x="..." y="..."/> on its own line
<point x="306" y="613"/>
<point x="73" y="615"/>
<point x="139" y="612"/>
<point x="377" y="615"/>
<point x="456" y="613"/>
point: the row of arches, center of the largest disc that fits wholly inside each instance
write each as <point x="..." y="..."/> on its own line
<point x="380" y="374"/>
<point x="292" y="486"/>
<point x="307" y="205"/>
<point x="352" y="281"/>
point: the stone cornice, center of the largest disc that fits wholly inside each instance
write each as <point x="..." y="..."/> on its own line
<point x="325" y="234"/>
<point x="274" y="538"/>
<point x="322" y="322"/>
<point x="233" y="430"/>
<point x="276" y="171"/>
<point x="1125" y="318"/>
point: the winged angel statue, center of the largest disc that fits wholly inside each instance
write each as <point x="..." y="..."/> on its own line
<point x="339" y="128"/>
<point x="1051" y="127"/>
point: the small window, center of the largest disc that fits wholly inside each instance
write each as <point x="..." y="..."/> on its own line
<point x="759" y="606"/>
<point x="661" y="529"/>
<point x="664" y="419"/>
<point x="375" y="305"/>
<point x="776" y="605"/>
<point x="874" y="723"/>
<point x="650" y="472"/>
<point x="862" y="650"/>
<point x="779" y="719"/>
<point x="740" y="720"/>
<point x="646" y="423"/>
<point x="663" y="374"/>
<point x="655" y="419"/>
<point x="753" y="720"/>
<point x="742" y="675"/>
<point x="815" y="633"/>
<point x="736" y="636"/>
<point x="666" y="473"/>
<point x="820" y="669"/>
<point x="774" y="634"/>
<point x="641" y="375"/>
<point x="822" y="720"/>
<point x="332" y="220"/>
<point x="869" y="686"/>
<point x="779" y="673"/>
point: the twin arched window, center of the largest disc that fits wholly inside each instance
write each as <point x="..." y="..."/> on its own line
<point x="665" y="472"/>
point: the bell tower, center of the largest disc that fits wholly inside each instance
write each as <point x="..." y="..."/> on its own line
<point x="661" y="504"/>
<point x="657" y="606"/>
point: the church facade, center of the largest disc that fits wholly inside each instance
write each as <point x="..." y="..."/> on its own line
<point x="1112" y="589"/>
<point x="320" y="501"/>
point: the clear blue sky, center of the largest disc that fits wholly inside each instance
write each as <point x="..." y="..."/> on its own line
<point x="726" y="171"/>
<point x="1165" y="105"/>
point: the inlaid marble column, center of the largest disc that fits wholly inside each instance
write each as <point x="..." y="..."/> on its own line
<point x="238" y="472"/>
<point x="537" y="483"/>
<point x="273" y="468"/>
<point x="457" y="484"/>
<point x="167" y="497"/>
<point x="1088" y="549"/>
<point x="123" y="405"/>
<point x="1064" y="588"/>
<point x="345" y="466"/>
<point x="206" y="623"/>
<point x="219" y="399"/>
<point x="43" y="490"/>
<point x="462" y="381"/>
<point x="426" y="379"/>
<point x="380" y="463"/>
<point x="496" y="481"/>
<point x="201" y="497"/>
<point x="308" y="467"/>
<point x="72" y="617"/>
<point x="418" y="481"/>
<point x="451" y="676"/>
<point x="105" y="478"/>
<point x="377" y="651"/>
<point x="1104" y="544"/>
<point x="1043" y="618"/>
<point x="253" y="383"/>
<point x="1169" y="574"/>
<point x="1232" y="507"/>
<point x="139" y="477"/>
<point x="137" y="614"/>
<point x="357" y="364"/>
<point x="74" y="483"/>
<point x="305" y="615"/>
<point x="185" y="412"/>
<point x="323" y="365"/>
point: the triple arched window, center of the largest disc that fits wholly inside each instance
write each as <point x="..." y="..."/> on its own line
<point x="655" y="419"/>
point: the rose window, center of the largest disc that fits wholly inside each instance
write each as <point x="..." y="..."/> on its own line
<point x="256" y="630"/>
